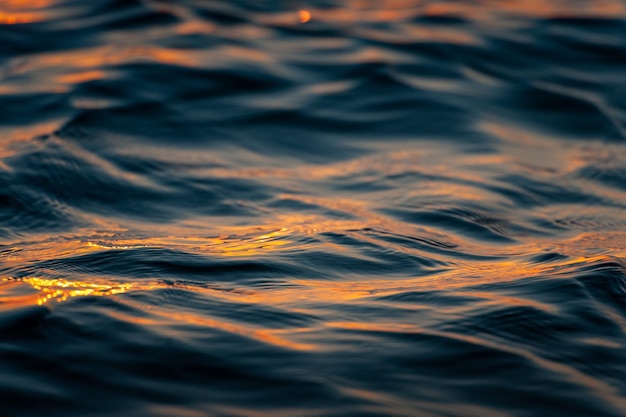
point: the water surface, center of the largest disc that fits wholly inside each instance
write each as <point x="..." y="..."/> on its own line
<point x="312" y="208"/>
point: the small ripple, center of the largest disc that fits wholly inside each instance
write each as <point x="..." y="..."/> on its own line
<point x="362" y="208"/>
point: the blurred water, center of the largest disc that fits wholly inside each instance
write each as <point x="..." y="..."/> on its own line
<point x="312" y="208"/>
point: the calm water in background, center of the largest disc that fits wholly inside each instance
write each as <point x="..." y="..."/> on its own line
<point x="312" y="208"/>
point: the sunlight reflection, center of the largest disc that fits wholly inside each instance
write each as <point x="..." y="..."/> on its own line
<point x="81" y="77"/>
<point x="304" y="16"/>
<point x="365" y="11"/>
<point x="27" y="4"/>
<point x="18" y="18"/>
<point x="528" y="8"/>
<point x="307" y="293"/>
<point x="93" y="59"/>
<point x="276" y="337"/>
<point x="14" y="12"/>
<point x="61" y="289"/>
<point x="246" y="244"/>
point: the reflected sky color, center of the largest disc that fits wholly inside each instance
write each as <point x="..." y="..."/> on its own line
<point x="312" y="208"/>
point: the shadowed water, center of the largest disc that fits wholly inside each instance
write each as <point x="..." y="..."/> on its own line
<point x="312" y="208"/>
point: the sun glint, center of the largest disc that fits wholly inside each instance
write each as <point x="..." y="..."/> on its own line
<point x="304" y="16"/>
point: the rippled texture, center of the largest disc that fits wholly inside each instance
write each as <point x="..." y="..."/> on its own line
<point x="313" y="208"/>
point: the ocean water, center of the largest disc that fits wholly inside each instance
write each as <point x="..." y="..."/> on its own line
<point x="315" y="208"/>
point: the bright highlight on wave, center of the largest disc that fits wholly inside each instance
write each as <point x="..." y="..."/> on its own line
<point x="61" y="289"/>
<point x="13" y="12"/>
<point x="248" y="242"/>
<point x="304" y="16"/>
<point x="17" y="18"/>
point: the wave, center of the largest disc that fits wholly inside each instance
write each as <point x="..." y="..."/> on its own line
<point x="312" y="208"/>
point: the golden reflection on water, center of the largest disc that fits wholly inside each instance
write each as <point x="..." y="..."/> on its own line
<point x="61" y="289"/>
<point x="248" y="244"/>
<point x="304" y="16"/>
<point x="527" y="8"/>
<point x="276" y="337"/>
<point x="18" y="18"/>
<point x="305" y="291"/>
<point x="462" y="278"/>
<point x="86" y="65"/>
<point x="27" y="4"/>
<point x="353" y="11"/>
<point x="81" y="77"/>
<point x="13" y="12"/>
<point x="28" y="11"/>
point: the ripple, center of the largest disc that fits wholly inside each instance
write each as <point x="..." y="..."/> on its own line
<point x="327" y="208"/>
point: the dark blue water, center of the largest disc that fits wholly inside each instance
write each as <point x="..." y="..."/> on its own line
<point x="312" y="208"/>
